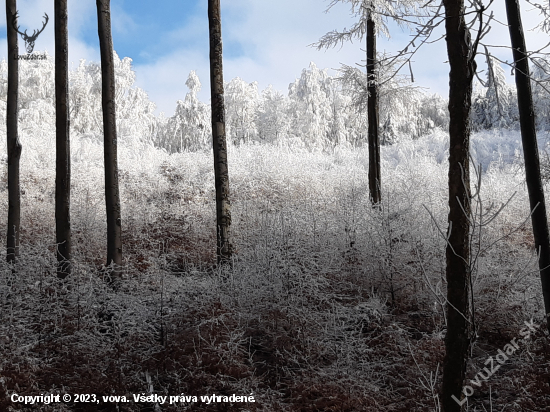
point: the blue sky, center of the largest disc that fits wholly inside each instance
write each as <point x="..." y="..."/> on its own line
<point x="264" y="41"/>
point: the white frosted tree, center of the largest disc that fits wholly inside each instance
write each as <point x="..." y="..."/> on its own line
<point x="340" y="107"/>
<point x="272" y="119"/>
<point x="135" y="112"/>
<point x="241" y="104"/>
<point x="85" y="98"/>
<point x="498" y="94"/>
<point x="434" y="113"/>
<point x="189" y="128"/>
<point x="541" y="96"/>
<point x="494" y="104"/>
<point x="311" y="107"/>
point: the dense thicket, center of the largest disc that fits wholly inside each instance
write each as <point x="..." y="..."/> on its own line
<point x="317" y="112"/>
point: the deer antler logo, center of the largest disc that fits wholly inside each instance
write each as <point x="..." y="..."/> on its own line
<point x="29" y="40"/>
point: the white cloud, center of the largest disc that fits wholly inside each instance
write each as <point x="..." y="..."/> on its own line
<point x="121" y="21"/>
<point x="274" y="37"/>
<point x="164" y="81"/>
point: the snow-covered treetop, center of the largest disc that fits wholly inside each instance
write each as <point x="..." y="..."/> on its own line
<point x="378" y="10"/>
<point x="193" y="83"/>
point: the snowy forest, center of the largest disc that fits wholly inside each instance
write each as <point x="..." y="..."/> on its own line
<point x="327" y="299"/>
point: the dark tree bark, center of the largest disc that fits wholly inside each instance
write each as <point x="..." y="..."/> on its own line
<point x="112" y="197"/>
<point x="221" y="173"/>
<point x="14" y="145"/>
<point x="530" y="149"/>
<point x="457" y="339"/>
<point x="63" y="152"/>
<point x="372" y="110"/>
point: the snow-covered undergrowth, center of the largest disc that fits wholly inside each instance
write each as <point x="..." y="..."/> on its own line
<point x="330" y="304"/>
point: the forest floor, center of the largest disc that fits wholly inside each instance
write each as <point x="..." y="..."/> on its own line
<point x="330" y="305"/>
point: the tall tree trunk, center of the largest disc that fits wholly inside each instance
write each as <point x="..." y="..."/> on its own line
<point x="530" y="149"/>
<point x="221" y="173"/>
<point x="112" y="197"/>
<point x="372" y="110"/>
<point x="14" y="145"/>
<point x="457" y="339"/>
<point x="63" y="152"/>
